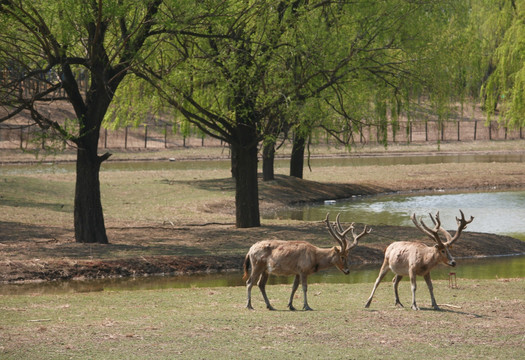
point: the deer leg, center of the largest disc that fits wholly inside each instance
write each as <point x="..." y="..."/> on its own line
<point x="414" y="287"/>
<point x="294" y="289"/>
<point x="382" y="273"/>
<point x="262" y="287"/>
<point x="431" y="290"/>
<point x="249" y="285"/>
<point x="396" y="281"/>
<point x="304" y="279"/>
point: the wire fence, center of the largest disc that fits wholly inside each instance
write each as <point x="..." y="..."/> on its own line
<point x="162" y="136"/>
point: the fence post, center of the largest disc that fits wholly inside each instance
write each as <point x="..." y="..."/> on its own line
<point x="126" y="137"/>
<point x="475" y="128"/>
<point x="145" y="136"/>
<point x="105" y="138"/>
<point x="426" y="130"/>
<point x="490" y="130"/>
<point x="459" y="137"/>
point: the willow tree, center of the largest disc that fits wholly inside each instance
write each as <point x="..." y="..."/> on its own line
<point x="253" y="68"/>
<point x="55" y="44"/>
<point x="504" y="89"/>
<point x="226" y="77"/>
<point x="392" y="51"/>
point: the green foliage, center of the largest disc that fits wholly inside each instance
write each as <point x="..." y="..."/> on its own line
<point x="505" y="87"/>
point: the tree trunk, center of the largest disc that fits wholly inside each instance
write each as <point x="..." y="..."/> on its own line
<point x="246" y="186"/>
<point x="297" y="157"/>
<point x="268" y="161"/>
<point x="88" y="214"/>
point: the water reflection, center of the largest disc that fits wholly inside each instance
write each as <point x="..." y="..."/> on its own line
<point x="494" y="212"/>
<point x="493" y="268"/>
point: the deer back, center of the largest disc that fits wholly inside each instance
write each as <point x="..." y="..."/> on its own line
<point x="405" y="255"/>
<point x="290" y="257"/>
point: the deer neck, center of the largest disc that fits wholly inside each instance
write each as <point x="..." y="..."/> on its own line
<point x="325" y="258"/>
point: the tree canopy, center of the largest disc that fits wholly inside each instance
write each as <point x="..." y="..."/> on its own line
<point x="47" y="49"/>
<point x="504" y="89"/>
<point x="246" y="72"/>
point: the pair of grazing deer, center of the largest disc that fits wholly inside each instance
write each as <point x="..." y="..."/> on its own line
<point x="301" y="259"/>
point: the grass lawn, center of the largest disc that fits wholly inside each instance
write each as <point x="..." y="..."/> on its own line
<point x="481" y="319"/>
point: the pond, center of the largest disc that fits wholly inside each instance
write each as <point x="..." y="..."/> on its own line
<point x="494" y="212"/>
<point x="114" y="165"/>
<point x="489" y="268"/>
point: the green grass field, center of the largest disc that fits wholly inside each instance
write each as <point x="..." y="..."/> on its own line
<point x="482" y="319"/>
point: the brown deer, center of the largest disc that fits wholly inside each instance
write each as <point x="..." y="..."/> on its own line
<point x="298" y="258"/>
<point x="415" y="258"/>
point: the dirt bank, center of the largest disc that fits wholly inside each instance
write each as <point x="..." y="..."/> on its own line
<point x="370" y="250"/>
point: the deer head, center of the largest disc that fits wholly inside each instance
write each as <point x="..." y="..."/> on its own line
<point x="443" y="247"/>
<point x="337" y="232"/>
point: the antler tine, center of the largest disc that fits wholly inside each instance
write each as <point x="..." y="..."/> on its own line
<point x="342" y="233"/>
<point x="438" y="227"/>
<point x="333" y="232"/>
<point x="435" y="221"/>
<point x="462" y="225"/>
<point x="339" y="227"/>
<point x="459" y="221"/>
<point x="432" y="233"/>
<point x="356" y="238"/>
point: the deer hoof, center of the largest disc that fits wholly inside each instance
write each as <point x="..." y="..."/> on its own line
<point x="415" y="307"/>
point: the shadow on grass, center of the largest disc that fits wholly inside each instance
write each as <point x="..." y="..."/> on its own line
<point x="286" y="190"/>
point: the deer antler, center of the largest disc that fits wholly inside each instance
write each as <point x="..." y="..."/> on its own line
<point x="462" y="225"/>
<point x="337" y="232"/>
<point x="432" y="233"/>
<point x="357" y="237"/>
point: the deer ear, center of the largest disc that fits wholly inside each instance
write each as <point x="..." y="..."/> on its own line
<point x="336" y="249"/>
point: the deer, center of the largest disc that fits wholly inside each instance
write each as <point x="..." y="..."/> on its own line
<point x="299" y="258"/>
<point x="417" y="259"/>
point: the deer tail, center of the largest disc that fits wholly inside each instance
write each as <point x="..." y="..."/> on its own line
<point x="246" y="266"/>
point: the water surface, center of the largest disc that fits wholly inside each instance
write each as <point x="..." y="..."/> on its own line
<point x="494" y="212"/>
<point x="352" y="160"/>
<point x="487" y="268"/>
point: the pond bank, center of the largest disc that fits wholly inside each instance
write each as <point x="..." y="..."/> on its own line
<point x="36" y="252"/>
<point x="370" y="250"/>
